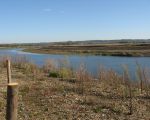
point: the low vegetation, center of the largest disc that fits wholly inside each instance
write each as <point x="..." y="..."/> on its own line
<point x="93" y="47"/>
<point x="55" y="92"/>
<point x="115" y="49"/>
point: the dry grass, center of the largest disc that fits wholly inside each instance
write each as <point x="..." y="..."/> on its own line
<point x="112" y="96"/>
<point x="129" y="49"/>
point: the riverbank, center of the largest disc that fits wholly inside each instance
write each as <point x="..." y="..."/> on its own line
<point x="50" y="93"/>
<point x="103" y="49"/>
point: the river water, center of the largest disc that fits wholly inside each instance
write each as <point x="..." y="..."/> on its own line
<point x="91" y="62"/>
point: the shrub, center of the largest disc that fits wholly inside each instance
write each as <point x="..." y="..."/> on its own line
<point x="65" y="73"/>
<point x="53" y="74"/>
<point x="50" y="65"/>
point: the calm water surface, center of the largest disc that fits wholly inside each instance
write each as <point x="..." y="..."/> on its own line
<point x="91" y="62"/>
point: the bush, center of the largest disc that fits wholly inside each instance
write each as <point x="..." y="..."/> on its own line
<point x="65" y="73"/>
<point x="53" y="74"/>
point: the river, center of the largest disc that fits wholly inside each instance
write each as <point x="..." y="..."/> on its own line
<point x="91" y="62"/>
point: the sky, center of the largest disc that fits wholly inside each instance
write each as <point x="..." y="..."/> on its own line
<point x="23" y="21"/>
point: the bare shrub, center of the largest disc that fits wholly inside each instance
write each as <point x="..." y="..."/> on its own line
<point x="110" y="81"/>
<point x="140" y="76"/>
<point x="84" y="79"/>
<point x="50" y="65"/>
<point x="128" y="85"/>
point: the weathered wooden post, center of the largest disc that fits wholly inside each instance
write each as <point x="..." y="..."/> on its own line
<point x="8" y="71"/>
<point x="12" y="96"/>
<point x="12" y="101"/>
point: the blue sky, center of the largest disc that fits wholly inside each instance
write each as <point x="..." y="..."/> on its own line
<point x="63" y="20"/>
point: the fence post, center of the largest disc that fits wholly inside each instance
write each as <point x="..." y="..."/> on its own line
<point x="12" y="96"/>
<point x="8" y="71"/>
<point x="12" y="101"/>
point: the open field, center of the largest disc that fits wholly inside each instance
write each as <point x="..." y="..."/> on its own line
<point x="50" y="93"/>
<point x="115" y="49"/>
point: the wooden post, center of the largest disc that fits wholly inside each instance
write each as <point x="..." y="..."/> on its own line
<point x="8" y="71"/>
<point x="12" y="101"/>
